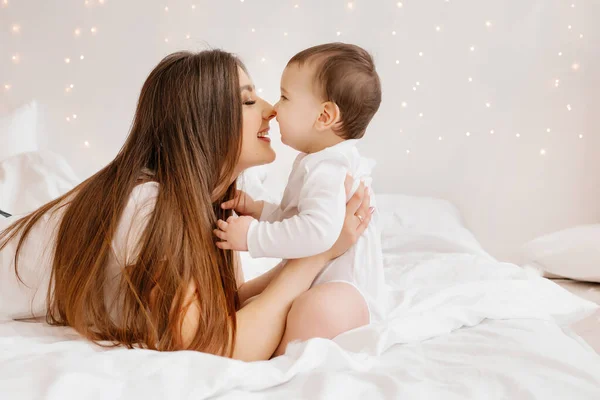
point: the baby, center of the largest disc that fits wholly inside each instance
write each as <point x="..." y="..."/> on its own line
<point x="329" y="94"/>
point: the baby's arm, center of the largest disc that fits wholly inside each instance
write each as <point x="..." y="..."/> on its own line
<point x="321" y="211"/>
<point x="271" y="212"/>
<point x="244" y="204"/>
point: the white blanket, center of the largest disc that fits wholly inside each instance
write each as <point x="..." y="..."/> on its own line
<point x="440" y="280"/>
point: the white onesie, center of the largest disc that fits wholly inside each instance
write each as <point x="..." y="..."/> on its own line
<point x="311" y="216"/>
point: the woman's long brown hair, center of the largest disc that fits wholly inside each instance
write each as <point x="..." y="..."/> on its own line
<point x="187" y="130"/>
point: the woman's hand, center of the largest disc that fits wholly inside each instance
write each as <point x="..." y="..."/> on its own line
<point x="358" y="216"/>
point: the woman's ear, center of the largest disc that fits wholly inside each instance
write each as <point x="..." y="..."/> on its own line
<point x="330" y="116"/>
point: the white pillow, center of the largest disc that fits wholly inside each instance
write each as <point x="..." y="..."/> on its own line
<point x="423" y="224"/>
<point x="19" y="130"/>
<point x="572" y="253"/>
<point x="29" y="180"/>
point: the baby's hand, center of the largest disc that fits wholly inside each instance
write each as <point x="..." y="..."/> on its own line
<point x="243" y="204"/>
<point x="233" y="233"/>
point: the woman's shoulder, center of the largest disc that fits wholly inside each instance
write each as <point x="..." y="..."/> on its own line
<point x="146" y="192"/>
<point x="134" y="219"/>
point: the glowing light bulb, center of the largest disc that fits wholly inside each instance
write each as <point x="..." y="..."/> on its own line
<point x="193" y="6"/>
<point x="569" y="107"/>
<point x="4" y="3"/>
<point x="580" y="136"/>
<point x="15" y="58"/>
<point x="263" y="59"/>
<point x="253" y="30"/>
<point x="93" y="30"/>
<point x="81" y="57"/>
<point x="440" y="138"/>
<point x="472" y="48"/>
<point x="420" y="115"/>
<point x="556" y="82"/>
<point x="399" y="4"/>
<point x="468" y="133"/>
<point x="581" y="36"/>
<point x="68" y="119"/>
<point x="518" y="135"/>
<point x="338" y="33"/>
<point x="394" y="33"/>
<point x="101" y="1"/>
<point x="67" y="60"/>
<point x="350" y="5"/>
<point x="407" y="151"/>
<point x="16" y="28"/>
<point x="296" y="5"/>
<point x="491" y="132"/>
<point x="470" y="79"/>
<point x="488" y="24"/>
<point x="74" y="116"/>
<point x="569" y="27"/>
<point x="86" y="143"/>
<point x="438" y="28"/>
<point x="548" y="130"/>
<point x="404" y="104"/>
<point x="488" y="105"/>
<point x="188" y="36"/>
<point x="260" y="90"/>
<point x="543" y="152"/>
<point x="560" y="53"/>
<point x="7" y="87"/>
<point x="166" y="40"/>
<point x="285" y="33"/>
<point x="575" y="66"/>
<point x="420" y="54"/>
<point x="166" y="8"/>
<point x="397" y="61"/>
<point x="77" y="32"/>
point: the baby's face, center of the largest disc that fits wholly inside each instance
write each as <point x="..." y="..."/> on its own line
<point x="298" y="108"/>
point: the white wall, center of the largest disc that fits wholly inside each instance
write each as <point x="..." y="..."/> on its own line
<point x="506" y="189"/>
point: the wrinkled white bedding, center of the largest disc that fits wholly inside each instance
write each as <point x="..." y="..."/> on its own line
<point x="461" y="325"/>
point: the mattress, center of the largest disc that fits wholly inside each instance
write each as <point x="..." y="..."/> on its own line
<point x="460" y="325"/>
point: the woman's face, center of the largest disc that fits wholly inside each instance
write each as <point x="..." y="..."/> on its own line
<point x="257" y="113"/>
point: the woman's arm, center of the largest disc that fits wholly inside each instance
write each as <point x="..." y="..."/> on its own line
<point x="257" y="285"/>
<point x="260" y="324"/>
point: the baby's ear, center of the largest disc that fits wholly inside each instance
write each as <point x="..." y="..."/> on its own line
<point x="329" y="117"/>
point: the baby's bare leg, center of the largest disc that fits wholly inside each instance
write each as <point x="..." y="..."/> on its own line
<point x="325" y="311"/>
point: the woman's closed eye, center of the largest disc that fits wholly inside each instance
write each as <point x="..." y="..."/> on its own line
<point x="250" y="102"/>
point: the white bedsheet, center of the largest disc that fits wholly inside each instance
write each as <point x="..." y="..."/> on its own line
<point x="516" y="358"/>
<point x="461" y="325"/>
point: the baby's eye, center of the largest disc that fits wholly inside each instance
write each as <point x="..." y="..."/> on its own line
<point x="283" y="97"/>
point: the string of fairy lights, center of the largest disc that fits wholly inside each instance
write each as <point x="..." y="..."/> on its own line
<point x="17" y="58"/>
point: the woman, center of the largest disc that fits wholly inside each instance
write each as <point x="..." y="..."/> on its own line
<point x="134" y="258"/>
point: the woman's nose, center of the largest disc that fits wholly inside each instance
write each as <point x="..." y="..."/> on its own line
<point x="269" y="111"/>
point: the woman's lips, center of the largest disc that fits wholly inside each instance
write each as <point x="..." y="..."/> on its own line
<point x="264" y="135"/>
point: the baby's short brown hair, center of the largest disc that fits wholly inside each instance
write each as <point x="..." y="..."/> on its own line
<point x="345" y="74"/>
